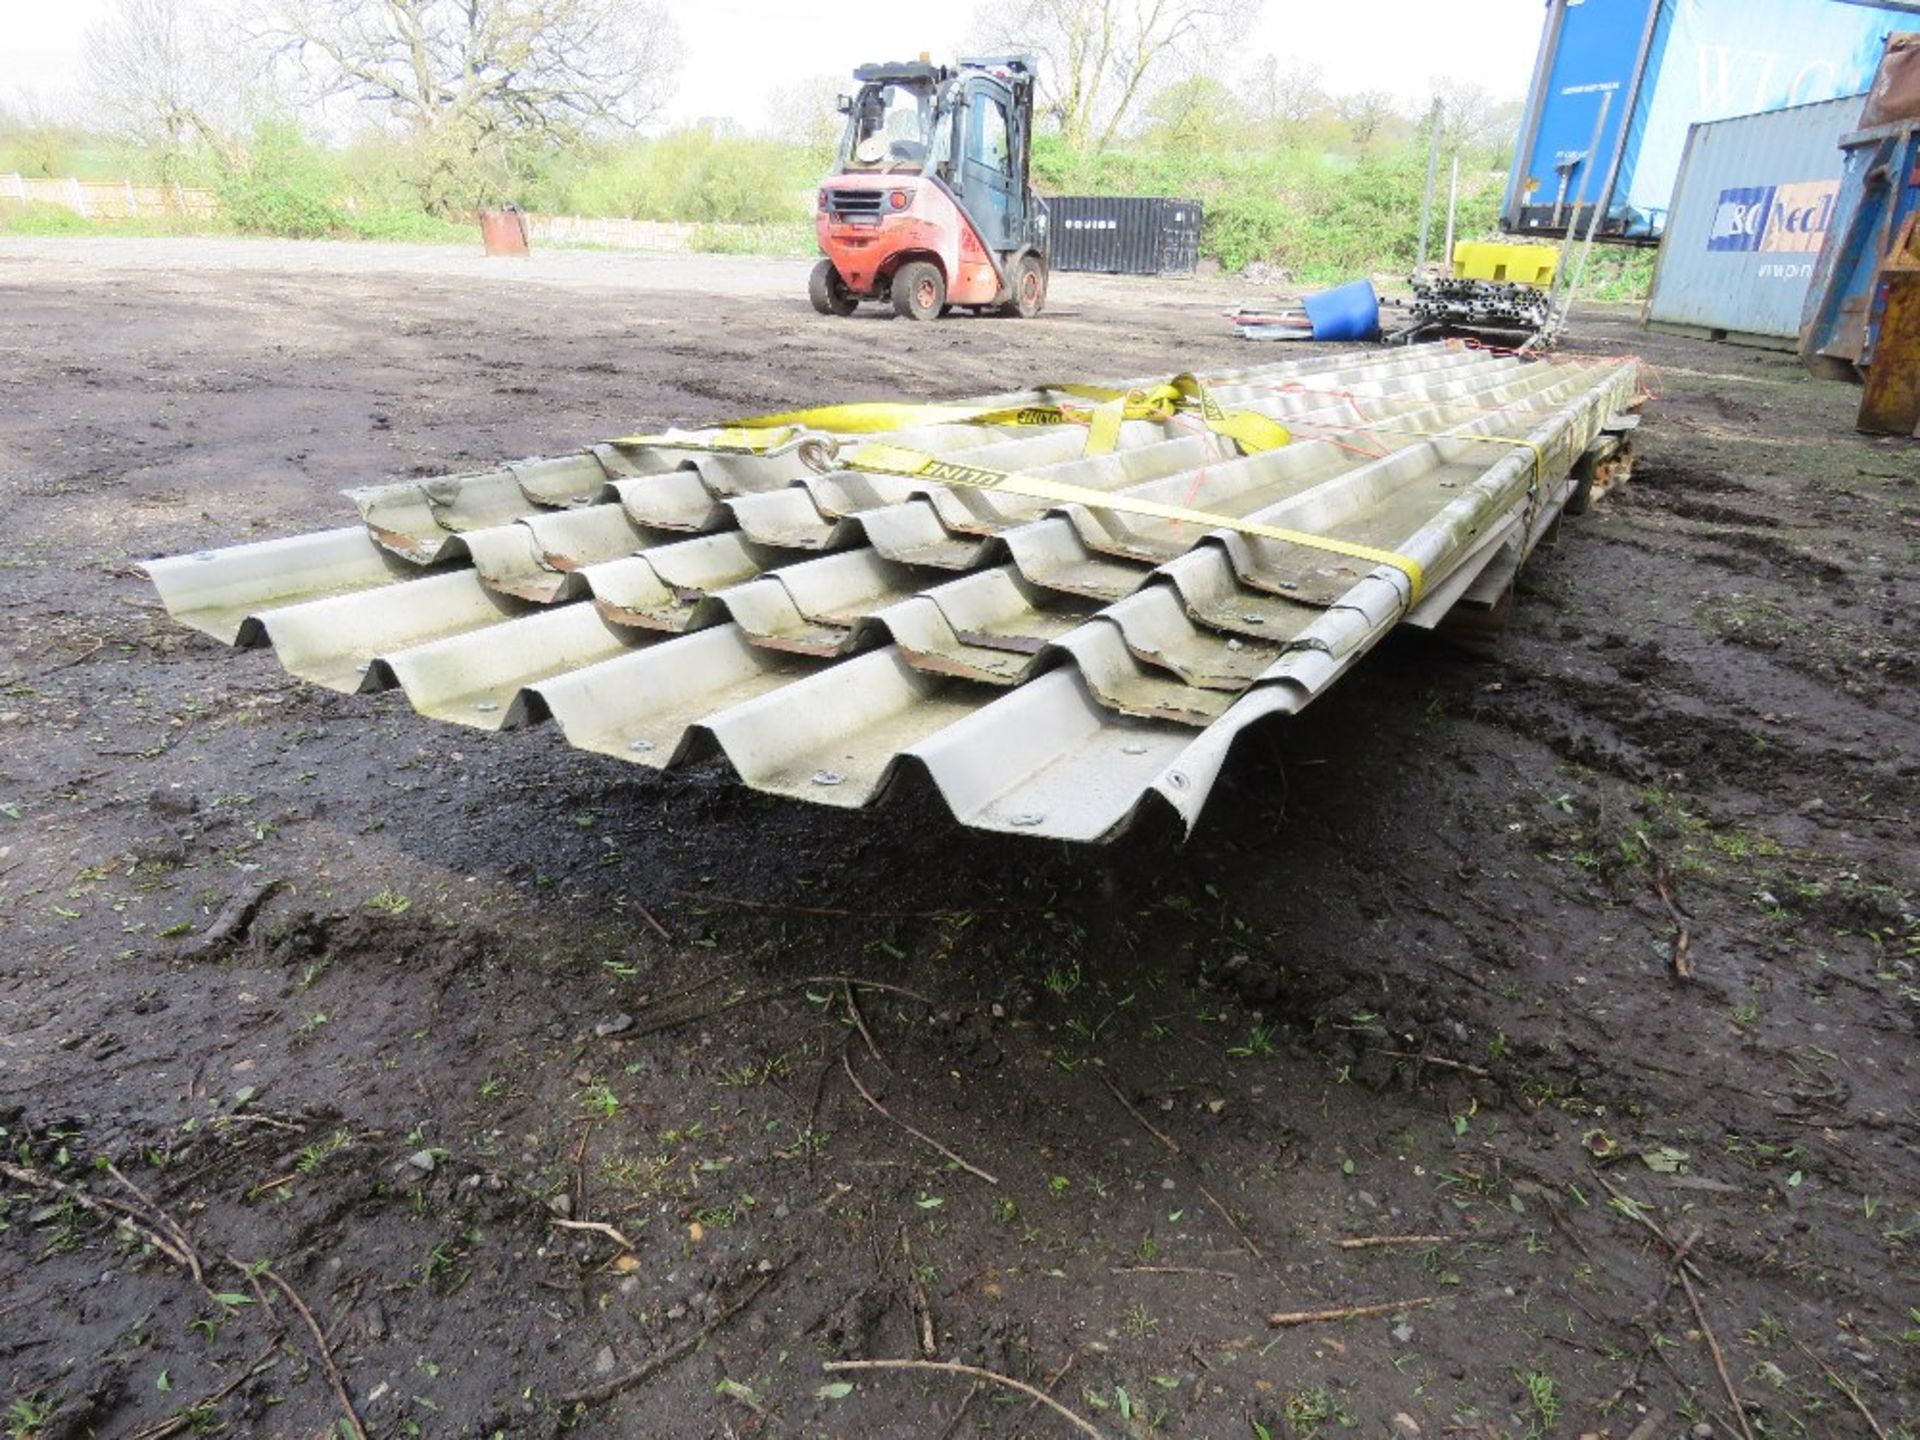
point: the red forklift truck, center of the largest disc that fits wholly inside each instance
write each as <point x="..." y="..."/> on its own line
<point x="929" y="206"/>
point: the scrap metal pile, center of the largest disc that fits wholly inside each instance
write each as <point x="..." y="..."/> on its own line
<point x="1053" y="639"/>
<point x="1447" y="303"/>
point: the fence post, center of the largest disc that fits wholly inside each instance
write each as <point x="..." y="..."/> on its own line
<point x="133" y="201"/>
<point x="79" y="196"/>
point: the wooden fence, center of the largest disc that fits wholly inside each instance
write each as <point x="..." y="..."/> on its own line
<point x="108" y="199"/>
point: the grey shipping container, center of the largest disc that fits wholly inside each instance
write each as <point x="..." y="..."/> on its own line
<point x="1148" y="235"/>
<point x="1751" y="206"/>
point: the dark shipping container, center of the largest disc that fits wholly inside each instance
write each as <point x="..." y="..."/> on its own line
<point x="1148" y="235"/>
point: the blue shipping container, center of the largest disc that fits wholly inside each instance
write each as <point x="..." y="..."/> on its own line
<point x="1659" y="67"/>
<point x="1754" y="201"/>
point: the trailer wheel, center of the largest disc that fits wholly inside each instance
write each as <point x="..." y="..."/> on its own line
<point x="828" y="291"/>
<point x="1029" y="288"/>
<point x="918" y="290"/>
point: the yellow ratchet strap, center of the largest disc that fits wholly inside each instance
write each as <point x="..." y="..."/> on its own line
<point x="1251" y="431"/>
<point x="876" y="417"/>
<point x="896" y="460"/>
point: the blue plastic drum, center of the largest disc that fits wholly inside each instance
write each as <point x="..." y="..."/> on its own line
<point x="1350" y="312"/>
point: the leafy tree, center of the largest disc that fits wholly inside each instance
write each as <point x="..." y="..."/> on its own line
<point x="1195" y="114"/>
<point x="472" y="82"/>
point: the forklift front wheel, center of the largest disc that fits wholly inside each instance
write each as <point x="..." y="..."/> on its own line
<point x="1029" y="288"/>
<point x="919" y="292"/>
<point x="828" y="291"/>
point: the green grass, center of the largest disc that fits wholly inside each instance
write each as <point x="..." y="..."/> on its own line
<point x="40" y="219"/>
<point x="1318" y="215"/>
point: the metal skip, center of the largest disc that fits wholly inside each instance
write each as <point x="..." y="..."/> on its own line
<point x="1052" y="657"/>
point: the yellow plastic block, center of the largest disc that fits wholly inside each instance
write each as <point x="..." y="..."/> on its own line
<point x="1495" y="260"/>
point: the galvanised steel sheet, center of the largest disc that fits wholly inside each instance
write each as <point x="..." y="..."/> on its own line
<point x="1049" y="667"/>
<point x="1754" y="202"/>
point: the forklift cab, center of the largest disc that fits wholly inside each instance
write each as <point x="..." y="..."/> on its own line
<point x="932" y="167"/>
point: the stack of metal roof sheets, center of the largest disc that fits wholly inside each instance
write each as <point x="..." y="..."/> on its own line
<point x="1051" y="668"/>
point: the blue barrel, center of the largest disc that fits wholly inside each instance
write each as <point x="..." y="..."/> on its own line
<point x="1349" y="312"/>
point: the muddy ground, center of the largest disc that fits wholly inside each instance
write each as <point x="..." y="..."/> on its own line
<point x="1413" y="977"/>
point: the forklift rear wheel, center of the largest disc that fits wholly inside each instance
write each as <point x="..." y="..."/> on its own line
<point x="1029" y="288"/>
<point x="828" y="291"/>
<point x="919" y="293"/>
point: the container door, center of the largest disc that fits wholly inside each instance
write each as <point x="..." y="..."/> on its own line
<point x="988" y="186"/>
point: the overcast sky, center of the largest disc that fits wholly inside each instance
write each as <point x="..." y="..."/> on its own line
<point x="738" y="51"/>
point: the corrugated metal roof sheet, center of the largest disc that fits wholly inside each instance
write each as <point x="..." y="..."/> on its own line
<point x="1051" y="668"/>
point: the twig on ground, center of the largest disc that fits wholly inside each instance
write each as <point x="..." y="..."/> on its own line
<point x="859" y="984"/>
<point x="72" y="660"/>
<point x="654" y="1002"/>
<point x="917" y="1300"/>
<point x="991" y="1377"/>
<point x="1682" y="1266"/>
<point x="813" y="1115"/>
<point x="1048" y="1386"/>
<point x="1173" y="1147"/>
<point x="1233" y="1223"/>
<point x="115" y="1212"/>
<point x="1636" y="1210"/>
<point x="658" y="928"/>
<point x="774" y="992"/>
<point x="1349" y="1312"/>
<point x="162" y="1221"/>
<point x="846" y="1063"/>
<point x="966" y="1404"/>
<point x="579" y="1194"/>
<point x="1374" y="1242"/>
<point x="1442" y="1061"/>
<point x="1713" y="1349"/>
<point x="1833" y="1377"/>
<point x="1167" y="1141"/>
<point x="324" y="1350"/>
<point x="182" y="1419"/>
<point x="607" y="1389"/>
<point x="1694" y="1398"/>
<point x="598" y="1227"/>
<point x="1632" y="1382"/>
<point x="345" y="1308"/>
<point x="1682" y="962"/>
<point x="860" y="1024"/>
<point x="1172" y="1270"/>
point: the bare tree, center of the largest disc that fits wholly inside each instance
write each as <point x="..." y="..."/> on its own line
<point x="803" y="112"/>
<point x="42" y="146"/>
<point x="1099" y="57"/>
<point x="153" y="70"/>
<point x="1365" y="113"/>
<point x="471" y="78"/>
<point x="1285" y="99"/>
<point x="1470" y="118"/>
